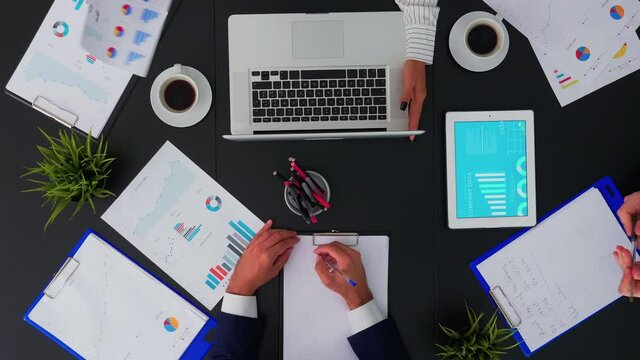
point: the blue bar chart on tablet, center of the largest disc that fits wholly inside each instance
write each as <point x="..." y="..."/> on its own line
<point x="491" y="170"/>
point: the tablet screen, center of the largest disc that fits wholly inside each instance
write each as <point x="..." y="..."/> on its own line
<point x="491" y="169"/>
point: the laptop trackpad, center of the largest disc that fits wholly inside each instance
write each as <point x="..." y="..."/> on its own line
<point x="318" y="39"/>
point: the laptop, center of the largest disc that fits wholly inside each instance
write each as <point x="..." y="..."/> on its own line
<point x="316" y="76"/>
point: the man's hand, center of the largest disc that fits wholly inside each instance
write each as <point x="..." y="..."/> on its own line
<point x="629" y="211"/>
<point x="262" y="260"/>
<point x="414" y="92"/>
<point x="623" y="258"/>
<point x="349" y="263"/>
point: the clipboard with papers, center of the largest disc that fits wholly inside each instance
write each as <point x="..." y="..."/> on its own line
<point x="548" y="279"/>
<point x="101" y="303"/>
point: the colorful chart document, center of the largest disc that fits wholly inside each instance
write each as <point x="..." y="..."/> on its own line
<point x="491" y="169"/>
<point x="185" y="222"/>
<point x="101" y="305"/>
<point x="125" y="33"/>
<point x="56" y="68"/>
<point x="582" y="45"/>
<point x="568" y="88"/>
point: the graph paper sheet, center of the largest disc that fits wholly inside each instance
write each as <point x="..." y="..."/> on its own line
<point x="109" y="308"/>
<point x="185" y="222"/>
<point x="56" y="68"/>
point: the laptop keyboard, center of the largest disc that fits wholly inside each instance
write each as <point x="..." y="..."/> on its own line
<point x="300" y="96"/>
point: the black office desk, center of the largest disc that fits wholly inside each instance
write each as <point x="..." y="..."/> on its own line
<point x="379" y="186"/>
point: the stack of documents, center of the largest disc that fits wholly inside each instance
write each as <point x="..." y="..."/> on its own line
<point x="582" y="45"/>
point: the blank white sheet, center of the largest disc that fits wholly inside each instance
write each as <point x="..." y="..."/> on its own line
<point x="315" y="318"/>
<point x="562" y="271"/>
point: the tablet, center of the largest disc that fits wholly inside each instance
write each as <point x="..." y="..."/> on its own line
<point x="490" y="169"/>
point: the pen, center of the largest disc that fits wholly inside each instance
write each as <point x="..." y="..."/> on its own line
<point x="349" y="280"/>
<point x="315" y="187"/>
<point x="634" y="251"/>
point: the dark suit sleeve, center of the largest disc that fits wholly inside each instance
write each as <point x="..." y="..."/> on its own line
<point x="381" y="341"/>
<point x="237" y="338"/>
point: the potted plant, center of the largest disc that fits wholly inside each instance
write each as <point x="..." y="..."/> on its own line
<point x="71" y="171"/>
<point x="478" y="341"/>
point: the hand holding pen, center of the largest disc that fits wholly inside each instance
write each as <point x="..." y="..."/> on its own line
<point x="340" y="269"/>
<point x="626" y="259"/>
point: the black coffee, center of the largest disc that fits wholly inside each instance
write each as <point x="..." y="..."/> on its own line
<point x="482" y="39"/>
<point x="179" y="95"/>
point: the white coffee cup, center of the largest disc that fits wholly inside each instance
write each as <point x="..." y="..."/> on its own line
<point x="463" y="53"/>
<point x="171" y="83"/>
<point x="497" y="28"/>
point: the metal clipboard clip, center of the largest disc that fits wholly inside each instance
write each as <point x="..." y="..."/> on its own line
<point x="349" y="239"/>
<point x="61" y="278"/>
<point x="509" y="312"/>
<point x="55" y="112"/>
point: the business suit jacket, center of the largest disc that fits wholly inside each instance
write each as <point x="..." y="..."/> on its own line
<point x="238" y="338"/>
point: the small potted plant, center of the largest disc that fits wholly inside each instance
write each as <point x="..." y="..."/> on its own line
<point x="478" y="341"/>
<point x="71" y="171"/>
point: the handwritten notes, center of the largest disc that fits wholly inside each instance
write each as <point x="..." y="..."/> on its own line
<point x="560" y="272"/>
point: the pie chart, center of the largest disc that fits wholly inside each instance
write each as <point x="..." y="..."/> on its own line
<point x="171" y="324"/>
<point x="126" y="9"/>
<point x="118" y="31"/>
<point x="616" y="12"/>
<point x="583" y="53"/>
<point x="112" y="52"/>
<point x="60" y="29"/>
<point x="622" y="52"/>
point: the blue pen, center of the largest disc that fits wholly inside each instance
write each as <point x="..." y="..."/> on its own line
<point x="349" y="280"/>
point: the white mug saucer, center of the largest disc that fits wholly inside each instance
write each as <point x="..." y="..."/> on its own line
<point x="463" y="55"/>
<point x="199" y="110"/>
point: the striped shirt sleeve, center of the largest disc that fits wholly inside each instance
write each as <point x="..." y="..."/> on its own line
<point x="421" y="17"/>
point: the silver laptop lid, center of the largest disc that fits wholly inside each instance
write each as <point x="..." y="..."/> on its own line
<point x="335" y="72"/>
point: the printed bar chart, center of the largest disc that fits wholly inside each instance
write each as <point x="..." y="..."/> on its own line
<point x="189" y="233"/>
<point x="238" y="242"/>
<point x="493" y="188"/>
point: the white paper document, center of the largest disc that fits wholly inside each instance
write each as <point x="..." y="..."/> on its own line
<point x="315" y="318"/>
<point x="56" y="68"/>
<point x="125" y="34"/>
<point x="568" y="88"/>
<point x="560" y="272"/>
<point x="109" y="308"/>
<point x="185" y="222"/>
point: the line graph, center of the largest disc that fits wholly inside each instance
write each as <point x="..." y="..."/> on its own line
<point x="174" y="185"/>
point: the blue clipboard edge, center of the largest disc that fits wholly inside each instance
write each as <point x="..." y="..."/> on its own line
<point x="614" y="200"/>
<point x="196" y="350"/>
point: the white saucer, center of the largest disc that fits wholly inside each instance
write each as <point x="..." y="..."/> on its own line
<point x="191" y="117"/>
<point x="463" y="56"/>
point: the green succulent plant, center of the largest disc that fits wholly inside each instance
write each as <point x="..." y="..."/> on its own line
<point x="72" y="170"/>
<point x="478" y="341"/>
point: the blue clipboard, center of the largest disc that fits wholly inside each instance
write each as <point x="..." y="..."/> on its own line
<point x="614" y="200"/>
<point x="198" y="348"/>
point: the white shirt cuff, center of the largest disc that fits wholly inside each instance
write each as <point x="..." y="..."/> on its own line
<point x="239" y="305"/>
<point x="421" y="41"/>
<point x="365" y="317"/>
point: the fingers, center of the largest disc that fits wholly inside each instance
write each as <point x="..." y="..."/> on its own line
<point x="323" y="271"/>
<point x="624" y="288"/>
<point x="282" y="260"/>
<point x="415" y="110"/>
<point x="623" y="257"/>
<point x="260" y="235"/>
<point x="407" y="91"/>
<point x="275" y="236"/>
<point x="282" y="246"/>
<point x="338" y="251"/>
<point x="626" y="217"/>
